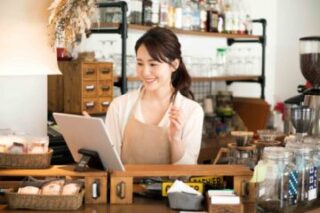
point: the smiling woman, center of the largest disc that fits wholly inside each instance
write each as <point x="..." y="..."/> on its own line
<point x="158" y="123"/>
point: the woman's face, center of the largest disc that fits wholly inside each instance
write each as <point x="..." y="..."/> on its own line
<point x="154" y="75"/>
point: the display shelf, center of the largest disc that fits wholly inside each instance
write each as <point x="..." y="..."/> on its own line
<point x="213" y="78"/>
<point x="144" y="28"/>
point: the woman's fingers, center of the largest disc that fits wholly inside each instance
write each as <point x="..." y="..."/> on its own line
<point x="177" y="119"/>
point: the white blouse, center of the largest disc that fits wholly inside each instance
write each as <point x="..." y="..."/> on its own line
<point x="119" y="111"/>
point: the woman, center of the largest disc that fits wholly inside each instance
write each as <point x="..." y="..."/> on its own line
<point x="158" y="123"/>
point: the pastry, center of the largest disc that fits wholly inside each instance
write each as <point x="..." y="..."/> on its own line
<point x="29" y="190"/>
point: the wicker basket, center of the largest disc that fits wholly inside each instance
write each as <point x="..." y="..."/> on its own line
<point x="25" y="161"/>
<point x="44" y="202"/>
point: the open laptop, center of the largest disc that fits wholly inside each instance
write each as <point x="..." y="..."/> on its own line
<point x="82" y="132"/>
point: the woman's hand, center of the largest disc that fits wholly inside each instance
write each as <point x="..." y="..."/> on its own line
<point x="175" y="133"/>
<point x="176" y="123"/>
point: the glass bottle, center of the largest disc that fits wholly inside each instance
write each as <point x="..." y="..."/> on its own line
<point x="136" y="12"/>
<point x="195" y="10"/>
<point x="228" y="16"/>
<point x="203" y="15"/>
<point x="171" y="14"/>
<point x="147" y="12"/>
<point x="155" y="12"/>
<point x="186" y="15"/>
<point x="212" y="17"/>
<point x="221" y="22"/>
<point x="178" y="14"/>
<point x="164" y="13"/>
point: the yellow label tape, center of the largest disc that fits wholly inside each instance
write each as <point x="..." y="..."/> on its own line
<point x="166" y="185"/>
<point x="212" y="180"/>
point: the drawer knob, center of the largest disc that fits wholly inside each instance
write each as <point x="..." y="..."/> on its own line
<point x="105" y="70"/>
<point x="105" y="88"/>
<point x="90" y="104"/>
<point x="90" y="71"/>
<point x="105" y="103"/>
<point x="90" y="87"/>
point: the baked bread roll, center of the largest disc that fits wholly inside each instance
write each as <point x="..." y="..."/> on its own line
<point x="17" y="148"/>
<point x="70" y="189"/>
<point x="29" y="190"/>
<point x="52" y="188"/>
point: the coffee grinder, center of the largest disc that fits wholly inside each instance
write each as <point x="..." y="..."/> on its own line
<point x="310" y="97"/>
<point x="310" y="68"/>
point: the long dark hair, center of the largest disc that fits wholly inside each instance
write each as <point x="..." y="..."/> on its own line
<point x="163" y="46"/>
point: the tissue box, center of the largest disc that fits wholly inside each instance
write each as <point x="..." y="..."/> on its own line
<point x="185" y="201"/>
<point x="218" y="208"/>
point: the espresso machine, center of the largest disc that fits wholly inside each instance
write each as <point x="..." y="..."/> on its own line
<point x="309" y="97"/>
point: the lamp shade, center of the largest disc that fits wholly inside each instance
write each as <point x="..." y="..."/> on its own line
<point x="24" y="41"/>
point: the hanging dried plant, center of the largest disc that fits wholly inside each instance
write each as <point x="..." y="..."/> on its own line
<point x="69" y="20"/>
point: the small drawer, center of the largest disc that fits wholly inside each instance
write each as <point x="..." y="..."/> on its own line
<point x="105" y="88"/>
<point x="89" y="71"/>
<point x="105" y="71"/>
<point x="89" y="89"/>
<point x="91" y="105"/>
<point x="104" y="103"/>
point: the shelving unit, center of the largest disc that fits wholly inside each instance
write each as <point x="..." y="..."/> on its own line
<point x="261" y="40"/>
<point x="123" y="27"/>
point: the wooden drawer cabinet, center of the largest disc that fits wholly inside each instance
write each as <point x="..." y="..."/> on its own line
<point x="83" y="86"/>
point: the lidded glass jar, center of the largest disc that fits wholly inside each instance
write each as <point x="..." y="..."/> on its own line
<point x="289" y="189"/>
<point x="315" y="146"/>
<point x="307" y="170"/>
<point x="270" y="170"/>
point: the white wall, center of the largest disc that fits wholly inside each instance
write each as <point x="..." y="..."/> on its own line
<point x="296" y="18"/>
<point x="23" y="104"/>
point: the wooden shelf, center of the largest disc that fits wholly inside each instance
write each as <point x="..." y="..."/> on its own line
<point x="204" y="79"/>
<point x="58" y="170"/>
<point x="182" y="170"/>
<point x="196" y="33"/>
<point x="226" y="78"/>
<point x="177" y="31"/>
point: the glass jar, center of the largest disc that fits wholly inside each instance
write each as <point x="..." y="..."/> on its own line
<point x="269" y="184"/>
<point x="289" y="189"/>
<point x="308" y="171"/>
<point x="303" y="157"/>
<point x="243" y="155"/>
<point x="315" y="146"/>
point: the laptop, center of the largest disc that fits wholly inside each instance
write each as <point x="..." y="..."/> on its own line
<point x="88" y="133"/>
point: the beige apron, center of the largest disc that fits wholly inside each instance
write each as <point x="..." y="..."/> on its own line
<point x="144" y="143"/>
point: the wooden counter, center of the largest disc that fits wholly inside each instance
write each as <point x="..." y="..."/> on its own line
<point x="143" y="205"/>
